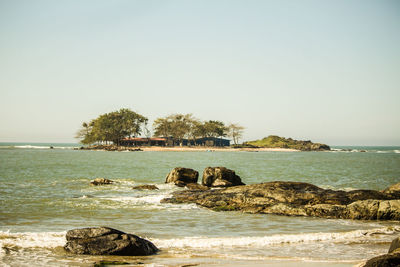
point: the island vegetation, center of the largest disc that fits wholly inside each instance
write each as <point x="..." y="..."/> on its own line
<point x="185" y="126"/>
<point x="113" y="127"/>
<point x="274" y="141"/>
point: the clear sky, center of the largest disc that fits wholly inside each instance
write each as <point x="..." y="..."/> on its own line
<point x="328" y="71"/>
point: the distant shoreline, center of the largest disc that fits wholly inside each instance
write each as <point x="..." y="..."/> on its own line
<point x="212" y="149"/>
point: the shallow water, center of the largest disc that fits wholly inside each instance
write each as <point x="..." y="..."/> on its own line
<point x="45" y="192"/>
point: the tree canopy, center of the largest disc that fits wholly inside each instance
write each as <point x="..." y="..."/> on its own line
<point x="112" y="127"/>
<point x="179" y="126"/>
<point x="116" y="125"/>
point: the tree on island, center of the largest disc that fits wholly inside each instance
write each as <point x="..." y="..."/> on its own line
<point x="177" y="126"/>
<point x="236" y="132"/>
<point x="180" y="126"/>
<point x="112" y="127"/>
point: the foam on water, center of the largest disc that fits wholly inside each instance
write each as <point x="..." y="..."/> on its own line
<point x="265" y="241"/>
<point x="57" y="239"/>
<point x="31" y="240"/>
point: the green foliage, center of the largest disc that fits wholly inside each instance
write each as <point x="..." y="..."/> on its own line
<point x="179" y="126"/>
<point x="235" y="131"/>
<point x="112" y="127"/>
<point x="274" y="141"/>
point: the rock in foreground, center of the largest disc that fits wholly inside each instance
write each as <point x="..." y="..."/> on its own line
<point x="296" y="199"/>
<point x="392" y="259"/>
<point x="107" y="241"/>
<point x="182" y="176"/>
<point x="220" y="177"/>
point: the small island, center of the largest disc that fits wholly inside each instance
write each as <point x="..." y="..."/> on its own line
<point x="120" y="131"/>
<point x="274" y="141"/>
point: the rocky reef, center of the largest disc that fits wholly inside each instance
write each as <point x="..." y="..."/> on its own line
<point x="297" y="199"/>
<point x="107" y="241"/>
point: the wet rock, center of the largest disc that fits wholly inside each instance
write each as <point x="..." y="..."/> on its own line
<point x="392" y="259"/>
<point x="395" y="245"/>
<point x="193" y="186"/>
<point x="107" y="241"/>
<point x="295" y="199"/>
<point x="220" y="177"/>
<point x="101" y="181"/>
<point x="387" y="260"/>
<point x="182" y="176"/>
<point x="393" y="189"/>
<point x="146" y="187"/>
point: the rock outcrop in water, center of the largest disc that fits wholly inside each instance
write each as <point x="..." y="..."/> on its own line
<point x="392" y="259"/>
<point x="107" y="241"/>
<point x="182" y="176"/>
<point x="101" y="181"/>
<point x="296" y="199"/>
<point x="146" y="187"/>
<point x="220" y="177"/>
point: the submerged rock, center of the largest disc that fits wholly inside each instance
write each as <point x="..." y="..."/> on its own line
<point x="220" y="177"/>
<point x="146" y="187"/>
<point x="107" y="241"/>
<point x="101" y="181"/>
<point x="182" y="176"/>
<point x="296" y="199"/>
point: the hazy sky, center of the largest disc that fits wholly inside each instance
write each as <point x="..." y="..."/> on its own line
<point x="328" y="71"/>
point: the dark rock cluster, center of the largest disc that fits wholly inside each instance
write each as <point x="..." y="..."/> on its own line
<point x="296" y="199"/>
<point x="107" y="241"/>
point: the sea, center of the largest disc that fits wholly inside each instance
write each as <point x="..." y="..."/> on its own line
<point x="44" y="192"/>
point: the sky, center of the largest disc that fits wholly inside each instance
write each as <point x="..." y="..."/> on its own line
<point x="326" y="71"/>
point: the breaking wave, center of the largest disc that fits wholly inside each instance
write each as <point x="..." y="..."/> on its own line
<point x="57" y="239"/>
<point x="266" y="241"/>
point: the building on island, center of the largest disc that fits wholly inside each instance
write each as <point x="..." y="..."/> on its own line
<point x="163" y="141"/>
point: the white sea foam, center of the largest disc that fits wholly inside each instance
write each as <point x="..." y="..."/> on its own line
<point x="396" y="151"/>
<point x="265" y="241"/>
<point x="149" y="199"/>
<point x="31" y="240"/>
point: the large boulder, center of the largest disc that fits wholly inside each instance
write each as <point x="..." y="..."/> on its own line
<point x="220" y="177"/>
<point x="182" y="176"/>
<point x="107" y="241"/>
<point x="386" y="260"/>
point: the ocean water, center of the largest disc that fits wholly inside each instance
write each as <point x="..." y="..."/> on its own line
<point x="45" y="192"/>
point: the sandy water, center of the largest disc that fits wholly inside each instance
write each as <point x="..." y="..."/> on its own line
<point x="45" y="192"/>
